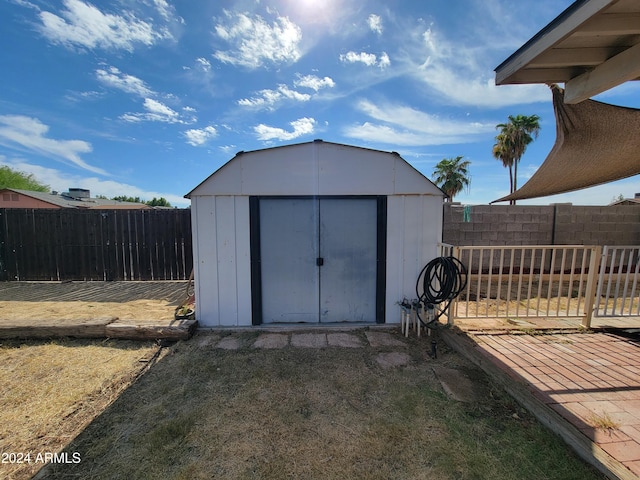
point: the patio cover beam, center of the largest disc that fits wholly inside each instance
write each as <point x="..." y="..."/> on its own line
<point x="619" y="69"/>
<point x="513" y="68"/>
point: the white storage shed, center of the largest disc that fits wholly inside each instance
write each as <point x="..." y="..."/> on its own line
<point x="316" y="233"/>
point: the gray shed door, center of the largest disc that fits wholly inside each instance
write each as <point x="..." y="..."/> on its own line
<point x="318" y="259"/>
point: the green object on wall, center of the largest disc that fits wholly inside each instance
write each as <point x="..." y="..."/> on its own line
<point x="466" y="213"/>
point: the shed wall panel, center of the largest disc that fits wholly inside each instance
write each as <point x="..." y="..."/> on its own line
<point x="414" y="230"/>
<point x="395" y="253"/>
<point x="205" y="259"/>
<point x="225" y="221"/>
<point x="223" y="276"/>
<point x="243" y="261"/>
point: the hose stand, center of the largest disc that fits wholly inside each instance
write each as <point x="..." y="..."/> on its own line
<point x="441" y="281"/>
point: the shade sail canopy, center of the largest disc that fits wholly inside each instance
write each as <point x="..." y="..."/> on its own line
<point x="595" y="143"/>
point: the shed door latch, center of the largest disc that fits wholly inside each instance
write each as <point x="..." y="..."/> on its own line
<point x="319" y="261"/>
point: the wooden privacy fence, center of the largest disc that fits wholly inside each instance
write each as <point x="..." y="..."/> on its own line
<point x="69" y="244"/>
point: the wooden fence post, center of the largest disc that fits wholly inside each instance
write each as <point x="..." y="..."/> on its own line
<point x="592" y="284"/>
<point x="455" y="252"/>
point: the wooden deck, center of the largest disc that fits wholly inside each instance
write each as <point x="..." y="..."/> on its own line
<point x="125" y="310"/>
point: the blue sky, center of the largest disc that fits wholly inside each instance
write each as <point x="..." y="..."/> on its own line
<point x="147" y="98"/>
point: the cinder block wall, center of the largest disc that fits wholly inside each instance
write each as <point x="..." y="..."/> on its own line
<point x="586" y="225"/>
<point x="494" y="225"/>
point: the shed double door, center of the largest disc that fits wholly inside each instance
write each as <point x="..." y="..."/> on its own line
<point x="318" y="259"/>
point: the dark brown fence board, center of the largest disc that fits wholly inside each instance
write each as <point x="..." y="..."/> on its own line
<point x="69" y="244"/>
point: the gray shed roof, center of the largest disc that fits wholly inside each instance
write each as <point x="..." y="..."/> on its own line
<point x="316" y="168"/>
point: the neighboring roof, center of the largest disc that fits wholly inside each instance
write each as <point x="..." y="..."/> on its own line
<point x="595" y="143"/>
<point x="626" y="201"/>
<point x="592" y="46"/>
<point x="316" y="168"/>
<point x="67" y="202"/>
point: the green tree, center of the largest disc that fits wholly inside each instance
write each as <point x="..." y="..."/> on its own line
<point x="154" y="202"/>
<point x="452" y="175"/>
<point x="512" y="142"/>
<point x="503" y="152"/>
<point x="124" y="198"/>
<point x="158" y="202"/>
<point x="10" y="178"/>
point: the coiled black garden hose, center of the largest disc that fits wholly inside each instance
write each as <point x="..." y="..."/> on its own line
<point x="441" y="280"/>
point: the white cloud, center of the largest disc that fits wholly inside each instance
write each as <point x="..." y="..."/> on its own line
<point x="203" y="63"/>
<point x="384" y="61"/>
<point x="268" y="98"/>
<point x="165" y="10"/>
<point x="455" y="72"/>
<point x="159" y="112"/>
<point x="411" y="118"/>
<point x="313" y="82"/>
<point x="200" y="136"/>
<point x="478" y="89"/>
<point x="60" y="182"/>
<point x="114" y="78"/>
<point x="302" y="126"/>
<point x="369" y="132"/>
<point x="375" y="23"/>
<point x="82" y="24"/>
<point x="254" y="42"/>
<point x="82" y="96"/>
<point x="369" y="59"/>
<point x="30" y="134"/>
<point x="228" y="149"/>
<point x="403" y="125"/>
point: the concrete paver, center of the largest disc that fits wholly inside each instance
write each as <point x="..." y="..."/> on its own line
<point x="455" y="384"/>
<point x="271" y="340"/>
<point x="309" y="340"/>
<point x="345" y="340"/>
<point x="229" y="343"/>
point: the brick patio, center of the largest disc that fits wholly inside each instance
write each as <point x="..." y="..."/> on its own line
<point x="592" y="380"/>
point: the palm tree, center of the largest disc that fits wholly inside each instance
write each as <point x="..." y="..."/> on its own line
<point x="452" y="175"/>
<point x="502" y="151"/>
<point x="512" y="142"/>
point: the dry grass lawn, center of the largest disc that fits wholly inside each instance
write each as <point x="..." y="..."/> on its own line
<point x="334" y="413"/>
<point x="160" y="310"/>
<point x="52" y="390"/>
